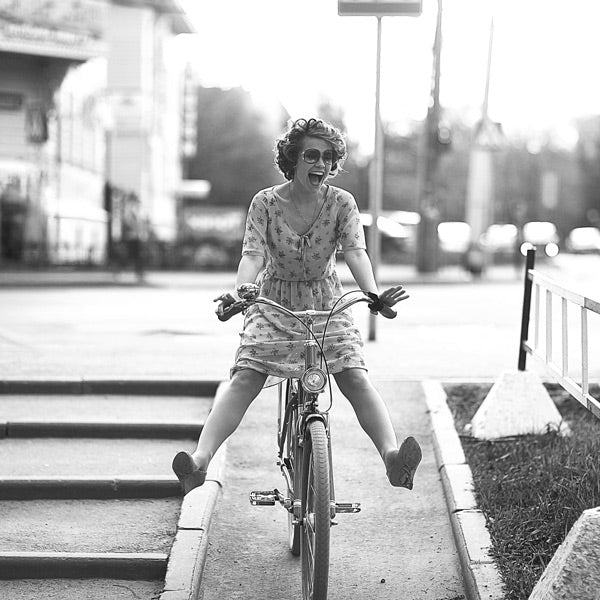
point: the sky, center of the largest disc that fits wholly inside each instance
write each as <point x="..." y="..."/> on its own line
<point x="298" y="51"/>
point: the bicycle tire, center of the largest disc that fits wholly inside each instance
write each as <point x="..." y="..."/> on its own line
<point x="316" y="518"/>
<point x="294" y="454"/>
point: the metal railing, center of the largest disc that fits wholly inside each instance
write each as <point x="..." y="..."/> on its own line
<point x="536" y="282"/>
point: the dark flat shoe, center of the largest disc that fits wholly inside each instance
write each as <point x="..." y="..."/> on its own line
<point x="187" y="472"/>
<point x="402" y="464"/>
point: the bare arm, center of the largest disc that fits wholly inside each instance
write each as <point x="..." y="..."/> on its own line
<point x="248" y="269"/>
<point x="360" y="266"/>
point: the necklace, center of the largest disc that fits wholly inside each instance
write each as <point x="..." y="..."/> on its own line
<point x="312" y="218"/>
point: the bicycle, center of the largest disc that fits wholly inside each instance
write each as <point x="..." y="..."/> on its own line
<point x="304" y="442"/>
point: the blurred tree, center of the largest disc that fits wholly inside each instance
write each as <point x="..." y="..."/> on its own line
<point x="400" y="170"/>
<point x="354" y="175"/>
<point x="234" y="145"/>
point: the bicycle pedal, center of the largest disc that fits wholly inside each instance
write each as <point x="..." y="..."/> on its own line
<point x="264" y="498"/>
<point x="347" y="507"/>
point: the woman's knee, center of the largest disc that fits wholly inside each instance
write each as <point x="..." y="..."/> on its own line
<point x="247" y="382"/>
<point x="353" y="380"/>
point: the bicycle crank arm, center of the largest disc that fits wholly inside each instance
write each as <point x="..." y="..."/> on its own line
<point x="347" y="507"/>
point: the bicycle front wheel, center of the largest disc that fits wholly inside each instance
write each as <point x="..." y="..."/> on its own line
<point x="316" y="521"/>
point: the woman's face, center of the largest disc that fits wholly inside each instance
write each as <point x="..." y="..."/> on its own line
<point x="312" y="175"/>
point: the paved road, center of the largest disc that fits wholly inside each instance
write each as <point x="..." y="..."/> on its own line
<point x="452" y="329"/>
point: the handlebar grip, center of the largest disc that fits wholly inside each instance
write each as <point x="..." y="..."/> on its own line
<point x="224" y="314"/>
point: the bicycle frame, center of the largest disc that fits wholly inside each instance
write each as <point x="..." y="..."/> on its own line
<point x="297" y="406"/>
<point x="305" y="457"/>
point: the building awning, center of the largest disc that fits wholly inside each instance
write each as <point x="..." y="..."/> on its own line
<point x="67" y="29"/>
<point x="180" y="22"/>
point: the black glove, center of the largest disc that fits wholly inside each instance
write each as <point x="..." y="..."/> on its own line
<point x="225" y="301"/>
<point x="377" y="306"/>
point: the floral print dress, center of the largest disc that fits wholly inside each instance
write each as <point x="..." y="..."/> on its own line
<point x="300" y="274"/>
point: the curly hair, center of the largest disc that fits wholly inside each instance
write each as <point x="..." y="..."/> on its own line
<point x="287" y="148"/>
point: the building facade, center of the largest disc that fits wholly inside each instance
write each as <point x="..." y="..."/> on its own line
<point x="90" y="105"/>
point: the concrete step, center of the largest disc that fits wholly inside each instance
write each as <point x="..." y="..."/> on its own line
<point x="79" y="457"/>
<point x="50" y="565"/>
<point x="80" y="589"/>
<point x="89" y="526"/>
<point x="89" y="408"/>
<point x="28" y="488"/>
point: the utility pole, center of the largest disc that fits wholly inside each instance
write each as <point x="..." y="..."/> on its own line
<point x="479" y="207"/>
<point x="427" y="236"/>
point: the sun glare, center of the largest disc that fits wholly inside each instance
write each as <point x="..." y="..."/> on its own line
<point x="543" y="67"/>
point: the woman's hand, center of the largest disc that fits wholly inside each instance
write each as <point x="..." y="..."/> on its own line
<point x="383" y="302"/>
<point x="393" y="295"/>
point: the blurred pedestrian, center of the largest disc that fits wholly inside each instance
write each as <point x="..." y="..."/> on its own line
<point x="293" y="232"/>
<point x="135" y="234"/>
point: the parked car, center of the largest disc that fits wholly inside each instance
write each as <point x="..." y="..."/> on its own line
<point x="582" y="240"/>
<point x="541" y="234"/>
<point x="500" y="239"/>
<point x="394" y="236"/>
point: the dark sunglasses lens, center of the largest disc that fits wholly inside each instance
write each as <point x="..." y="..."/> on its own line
<point x="311" y="155"/>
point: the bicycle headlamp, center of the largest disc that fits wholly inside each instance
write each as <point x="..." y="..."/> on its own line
<point x="313" y="380"/>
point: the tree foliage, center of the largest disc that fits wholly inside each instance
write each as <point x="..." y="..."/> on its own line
<point x="234" y="145"/>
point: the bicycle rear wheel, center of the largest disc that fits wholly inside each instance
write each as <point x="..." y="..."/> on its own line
<point x="316" y="521"/>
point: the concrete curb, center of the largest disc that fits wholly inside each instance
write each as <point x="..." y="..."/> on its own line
<point x="482" y="579"/>
<point x="111" y="385"/>
<point x="188" y="554"/>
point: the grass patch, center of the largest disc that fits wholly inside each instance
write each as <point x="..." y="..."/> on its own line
<point x="531" y="488"/>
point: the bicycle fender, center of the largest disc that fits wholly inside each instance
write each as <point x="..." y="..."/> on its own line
<point x="315" y="417"/>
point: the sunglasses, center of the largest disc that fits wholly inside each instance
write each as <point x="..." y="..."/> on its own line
<point x="312" y="156"/>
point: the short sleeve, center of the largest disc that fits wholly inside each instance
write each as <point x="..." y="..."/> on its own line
<point x="350" y="232"/>
<point x="255" y="235"/>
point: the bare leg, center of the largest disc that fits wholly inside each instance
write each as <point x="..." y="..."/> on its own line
<point x="369" y="407"/>
<point x="373" y="416"/>
<point x="229" y="407"/>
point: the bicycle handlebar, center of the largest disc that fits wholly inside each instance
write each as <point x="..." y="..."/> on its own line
<point x="249" y="295"/>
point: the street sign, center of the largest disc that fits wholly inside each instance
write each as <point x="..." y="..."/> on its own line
<point x="380" y="8"/>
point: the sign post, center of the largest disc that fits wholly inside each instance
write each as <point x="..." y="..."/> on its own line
<point x="379" y="9"/>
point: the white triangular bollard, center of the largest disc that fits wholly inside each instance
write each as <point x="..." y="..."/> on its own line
<point x="517" y="404"/>
<point x="574" y="571"/>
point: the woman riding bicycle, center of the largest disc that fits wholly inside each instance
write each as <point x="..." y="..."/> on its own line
<point x="293" y="232"/>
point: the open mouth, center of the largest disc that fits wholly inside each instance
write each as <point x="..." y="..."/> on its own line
<point x="316" y="178"/>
